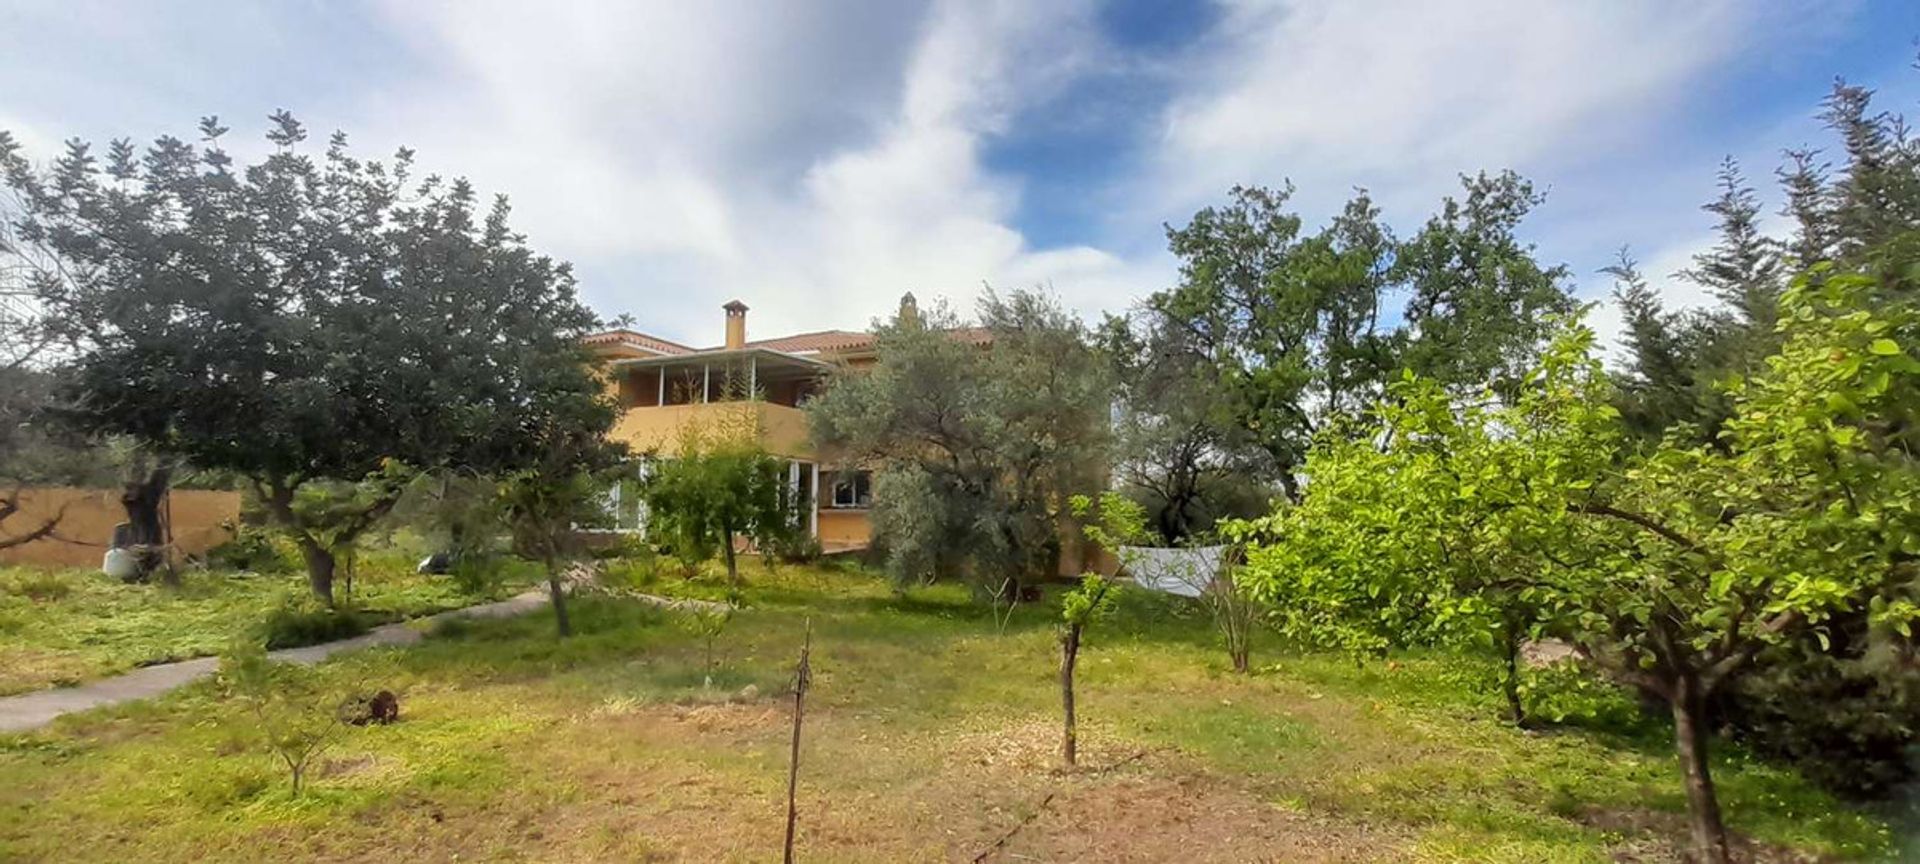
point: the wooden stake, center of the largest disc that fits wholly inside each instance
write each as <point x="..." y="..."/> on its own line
<point x="802" y="676"/>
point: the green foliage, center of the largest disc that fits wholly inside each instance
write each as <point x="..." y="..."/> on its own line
<point x="504" y="720"/>
<point x="295" y="624"/>
<point x="976" y="448"/>
<point x="706" y="625"/>
<point x="211" y="330"/>
<point x="1271" y="334"/>
<point x="1672" y="567"/>
<point x="290" y="709"/>
<point x="720" y="486"/>
<point x="254" y="550"/>
<point x="1091" y="600"/>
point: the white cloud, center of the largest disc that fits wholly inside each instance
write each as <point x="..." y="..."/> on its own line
<point x="816" y="160"/>
<point x="733" y="150"/>
<point x="1401" y="97"/>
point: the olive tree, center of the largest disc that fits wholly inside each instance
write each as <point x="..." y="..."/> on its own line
<point x="309" y="318"/>
<point x="979" y="437"/>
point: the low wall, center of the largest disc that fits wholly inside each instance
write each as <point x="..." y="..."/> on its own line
<point x="201" y="520"/>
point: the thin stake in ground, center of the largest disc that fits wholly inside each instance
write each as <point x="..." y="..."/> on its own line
<point x="802" y="677"/>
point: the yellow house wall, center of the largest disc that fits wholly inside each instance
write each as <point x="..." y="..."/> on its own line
<point x="202" y="519"/>
<point x="660" y="429"/>
<point x="845" y="529"/>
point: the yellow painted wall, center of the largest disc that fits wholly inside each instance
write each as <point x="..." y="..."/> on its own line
<point x="202" y="519"/>
<point x="780" y="429"/>
<point x="845" y="529"/>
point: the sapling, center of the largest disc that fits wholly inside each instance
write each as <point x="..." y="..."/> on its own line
<point x="297" y="719"/>
<point x="1079" y="608"/>
<point x="707" y="624"/>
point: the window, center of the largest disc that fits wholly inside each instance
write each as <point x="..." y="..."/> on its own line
<point x="852" y="489"/>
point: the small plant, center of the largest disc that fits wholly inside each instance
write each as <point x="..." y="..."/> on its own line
<point x="1234" y="610"/>
<point x="707" y="624"/>
<point x="295" y="624"/>
<point x="289" y="708"/>
<point x="1001" y="601"/>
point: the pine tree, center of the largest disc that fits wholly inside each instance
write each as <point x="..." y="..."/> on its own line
<point x="1660" y="380"/>
<point x="1809" y="205"/>
<point x="1743" y="270"/>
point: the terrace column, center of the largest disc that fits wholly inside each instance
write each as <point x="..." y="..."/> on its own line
<point x="662" y="398"/>
<point x="813" y="507"/>
<point x="706" y="382"/>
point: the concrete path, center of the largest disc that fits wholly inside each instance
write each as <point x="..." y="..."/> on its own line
<point x="34" y="710"/>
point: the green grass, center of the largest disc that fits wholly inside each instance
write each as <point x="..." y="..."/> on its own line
<point x="68" y="626"/>
<point x="929" y="735"/>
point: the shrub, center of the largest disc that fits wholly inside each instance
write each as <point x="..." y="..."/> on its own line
<point x="478" y="575"/>
<point x="252" y="549"/>
<point x="793" y="547"/>
<point x="1846" y="719"/>
<point x="297" y="624"/>
<point x="44" y="586"/>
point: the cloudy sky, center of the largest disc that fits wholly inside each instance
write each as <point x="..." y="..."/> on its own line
<point x="816" y="159"/>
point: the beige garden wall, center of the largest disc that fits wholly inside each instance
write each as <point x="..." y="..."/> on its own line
<point x="202" y="519"/>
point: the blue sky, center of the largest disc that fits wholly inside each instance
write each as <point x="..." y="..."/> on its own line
<point x="816" y="160"/>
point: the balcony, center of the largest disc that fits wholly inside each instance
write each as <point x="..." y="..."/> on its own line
<point x="781" y="429"/>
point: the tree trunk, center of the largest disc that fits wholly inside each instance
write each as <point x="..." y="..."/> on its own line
<point x="733" y="567"/>
<point x="559" y="600"/>
<point x="1241" y="662"/>
<point x="1510" y="676"/>
<point x="1690" y="739"/>
<point x="319" y="569"/>
<point x="1069" y="657"/>
<point x="141" y="496"/>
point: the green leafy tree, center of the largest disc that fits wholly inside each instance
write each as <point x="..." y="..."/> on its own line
<point x="1672" y="568"/>
<point x="308" y="318"/>
<point x="1177" y="448"/>
<point x="977" y="447"/>
<point x="719" y="488"/>
<point x="564" y="486"/>
<point x="1272" y="333"/>
<point x="1845" y="710"/>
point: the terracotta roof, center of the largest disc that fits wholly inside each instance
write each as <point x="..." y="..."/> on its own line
<point x="818" y="341"/>
<point x="637" y="339"/>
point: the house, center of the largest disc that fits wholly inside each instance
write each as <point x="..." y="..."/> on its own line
<point x="666" y="388"/>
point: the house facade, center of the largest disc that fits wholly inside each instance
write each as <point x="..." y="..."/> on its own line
<point x="755" y="387"/>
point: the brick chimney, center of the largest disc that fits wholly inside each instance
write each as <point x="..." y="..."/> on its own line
<point x="736" y="324"/>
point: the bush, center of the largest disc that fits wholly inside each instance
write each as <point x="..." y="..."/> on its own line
<point x="635" y="573"/>
<point x="1846" y="719"/>
<point x="793" y="547"/>
<point x="254" y="550"/>
<point x="478" y="575"/>
<point x="294" y="625"/>
<point x="292" y="712"/>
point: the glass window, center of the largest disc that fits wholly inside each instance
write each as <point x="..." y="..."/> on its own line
<point x="852" y="489"/>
